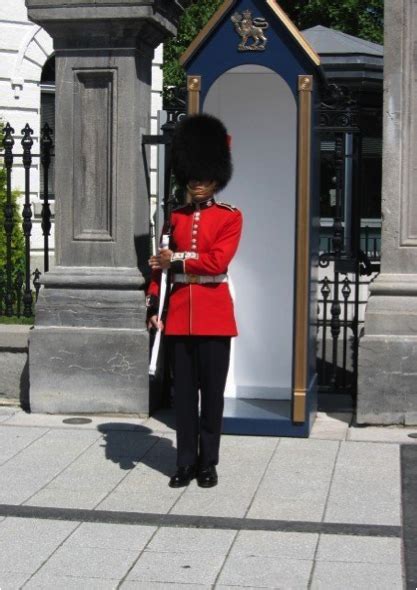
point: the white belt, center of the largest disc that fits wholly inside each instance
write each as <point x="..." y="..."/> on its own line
<point x="199" y="279"/>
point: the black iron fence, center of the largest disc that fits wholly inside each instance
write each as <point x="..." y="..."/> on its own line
<point x="343" y="294"/>
<point x="19" y="284"/>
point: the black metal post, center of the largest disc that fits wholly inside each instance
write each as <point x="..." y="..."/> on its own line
<point x="18" y="284"/>
<point x="335" y="309"/>
<point x="8" y="143"/>
<point x="346" y="291"/>
<point x="325" y="291"/>
<point x="27" y="143"/>
<point x="46" y="146"/>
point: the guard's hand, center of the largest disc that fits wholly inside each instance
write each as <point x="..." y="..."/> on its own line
<point x="162" y="260"/>
<point x="153" y="323"/>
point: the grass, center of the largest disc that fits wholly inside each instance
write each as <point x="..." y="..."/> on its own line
<point x="15" y="320"/>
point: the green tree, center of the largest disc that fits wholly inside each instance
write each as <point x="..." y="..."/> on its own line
<point x="362" y="18"/>
<point x="192" y="21"/>
<point x="18" y="244"/>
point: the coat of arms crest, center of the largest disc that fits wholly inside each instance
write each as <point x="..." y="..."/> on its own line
<point x="248" y="27"/>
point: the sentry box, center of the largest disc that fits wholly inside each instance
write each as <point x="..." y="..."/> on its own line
<point x="252" y="68"/>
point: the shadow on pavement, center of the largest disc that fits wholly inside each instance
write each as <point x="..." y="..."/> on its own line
<point x="132" y="444"/>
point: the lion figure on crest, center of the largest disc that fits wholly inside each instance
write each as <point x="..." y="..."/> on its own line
<point x="248" y="27"/>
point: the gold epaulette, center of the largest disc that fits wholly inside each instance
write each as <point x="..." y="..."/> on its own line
<point x="227" y="206"/>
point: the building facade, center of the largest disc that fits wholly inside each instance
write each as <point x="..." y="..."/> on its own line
<point x="27" y="92"/>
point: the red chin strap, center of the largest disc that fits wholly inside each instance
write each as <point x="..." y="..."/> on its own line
<point x="229" y="141"/>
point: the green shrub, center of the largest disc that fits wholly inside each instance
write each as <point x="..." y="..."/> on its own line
<point x="18" y="242"/>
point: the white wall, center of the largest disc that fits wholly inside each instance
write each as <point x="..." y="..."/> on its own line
<point x="24" y="49"/>
<point x="260" y="113"/>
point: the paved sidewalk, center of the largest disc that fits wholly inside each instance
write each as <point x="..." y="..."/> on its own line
<point x="88" y="506"/>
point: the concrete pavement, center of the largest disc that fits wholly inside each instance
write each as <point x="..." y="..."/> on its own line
<point x="88" y="506"/>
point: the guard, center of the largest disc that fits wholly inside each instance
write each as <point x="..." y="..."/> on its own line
<point x="200" y="320"/>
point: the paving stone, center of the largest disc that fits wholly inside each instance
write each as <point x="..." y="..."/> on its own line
<point x="387" y="434"/>
<point x="162" y="586"/>
<point x="101" y="467"/>
<point x="39" y="463"/>
<point x="151" y="500"/>
<point x="235" y="491"/>
<point x="223" y="587"/>
<point x="304" y="454"/>
<point x="159" y="461"/>
<point x="160" y="426"/>
<point x="217" y="501"/>
<point x="181" y="568"/>
<point x="6" y="413"/>
<point x="57" y="421"/>
<point x="9" y="410"/>
<point x="106" y="536"/>
<point x="65" y="497"/>
<point x="189" y="540"/>
<point x="275" y="544"/>
<point x="49" y="582"/>
<point x="332" y="417"/>
<point x="266" y="507"/>
<point x="266" y="572"/>
<point x="89" y="562"/>
<point x="366" y="485"/>
<point x="296" y="483"/>
<point x="126" y="443"/>
<point x="356" y="576"/>
<point x="363" y="511"/>
<point x="331" y="427"/>
<point x="10" y="581"/>
<point x="26" y="543"/>
<point x="15" y="438"/>
<point x="359" y="549"/>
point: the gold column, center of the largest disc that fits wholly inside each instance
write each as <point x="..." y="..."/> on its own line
<point x="302" y="280"/>
<point x="194" y="89"/>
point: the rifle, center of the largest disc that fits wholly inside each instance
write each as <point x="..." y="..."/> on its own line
<point x="162" y="296"/>
<point x="169" y="201"/>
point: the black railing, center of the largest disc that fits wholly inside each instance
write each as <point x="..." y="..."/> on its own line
<point x="341" y="314"/>
<point x="19" y="285"/>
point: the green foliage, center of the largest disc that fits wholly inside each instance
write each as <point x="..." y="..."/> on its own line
<point x="17" y="320"/>
<point x="192" y="21"/>
<point x="361" y="18"/>
<point x="18" y="243"/>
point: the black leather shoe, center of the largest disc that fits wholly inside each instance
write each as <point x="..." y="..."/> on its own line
<point x="207" y="476"/>
<point x="182" y="476"/>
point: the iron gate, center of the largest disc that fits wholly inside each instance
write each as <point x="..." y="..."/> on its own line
<point x="349" y="257"/>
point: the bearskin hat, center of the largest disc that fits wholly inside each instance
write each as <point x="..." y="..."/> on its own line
<point x="201" y="150"/>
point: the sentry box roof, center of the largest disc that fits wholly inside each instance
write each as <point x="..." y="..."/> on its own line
<point x="218" y="46"/>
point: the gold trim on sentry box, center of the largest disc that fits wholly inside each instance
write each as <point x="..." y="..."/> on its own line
<point x="298" y="36"/>
<point x="302" y="279"/>
<point x="194" y="89"/>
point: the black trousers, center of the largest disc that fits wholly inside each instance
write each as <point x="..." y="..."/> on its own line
<point x="199" y="363"/>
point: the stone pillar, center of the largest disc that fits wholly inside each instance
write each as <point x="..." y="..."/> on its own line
<point x="387" y="388"/>
<point x="88" y="351"/>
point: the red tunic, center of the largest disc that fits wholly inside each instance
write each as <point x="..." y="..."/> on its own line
<point x="205" y="238"/>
